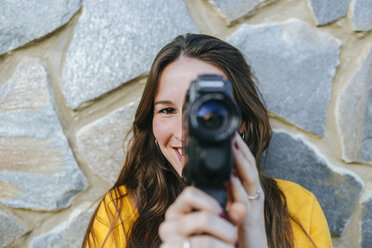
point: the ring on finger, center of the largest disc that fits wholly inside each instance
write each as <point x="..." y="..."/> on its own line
<point x="186" y="243"/>
<point x="256" y="196"/>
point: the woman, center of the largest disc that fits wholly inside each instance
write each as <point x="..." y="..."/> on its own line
<point x="149" y="192"/>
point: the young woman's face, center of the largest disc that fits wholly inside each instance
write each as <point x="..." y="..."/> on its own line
<point x="169" y="98"/>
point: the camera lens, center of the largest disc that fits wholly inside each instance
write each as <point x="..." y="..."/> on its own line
<point x="212" y="114"/>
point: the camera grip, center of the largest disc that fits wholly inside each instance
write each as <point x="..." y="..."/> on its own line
<point x="220" y="194"/>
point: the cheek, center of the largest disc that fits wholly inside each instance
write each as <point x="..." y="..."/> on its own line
<point x="161" y="129"/>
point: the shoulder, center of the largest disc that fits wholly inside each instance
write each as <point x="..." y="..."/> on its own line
<point x="289" y="186"/>
<point x="306" y="210"/>
<point x="115" y="216"/>
<point x="116" y="195"/>
<point x="116" y="201"/>
<point x="294" y="192"/>
<point x="299" y="200"/>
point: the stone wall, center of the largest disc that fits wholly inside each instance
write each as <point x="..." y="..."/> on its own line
<point x="72" y="71"/>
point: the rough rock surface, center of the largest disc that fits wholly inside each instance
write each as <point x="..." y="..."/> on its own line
<point x="235" y="9"/>
<point x="291" y="158"/>
<point x="10" y="229"/>
<point x="108" y="50"/>
<point x="295" y="65"/>
<point x="354" y="114"/>
<point x="101" y="143"/>
<point x="37" y="167"/>
<point x="366" y="223"/>
<point x="366" y="148"/>
<point x="24" y="21"/>
<point x="326" y="11"/>
<point x="361" y="15"/>
<point x="68" y="234"/>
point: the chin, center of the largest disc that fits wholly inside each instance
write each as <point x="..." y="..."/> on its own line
<point x="178" y="169"/>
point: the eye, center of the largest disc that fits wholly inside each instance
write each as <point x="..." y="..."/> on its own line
<point x="167" y="111"/>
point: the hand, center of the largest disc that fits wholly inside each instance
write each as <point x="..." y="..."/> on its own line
<point x="245" y="186"/>
<point x="202" y="228"/>
<point x="205" y="227"/>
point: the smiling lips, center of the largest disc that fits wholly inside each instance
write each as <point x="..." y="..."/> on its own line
<point x="178" y="152"/>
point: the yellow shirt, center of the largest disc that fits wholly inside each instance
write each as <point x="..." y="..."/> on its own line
<point x="301" y="204"/>
<point x="106" y="215"/>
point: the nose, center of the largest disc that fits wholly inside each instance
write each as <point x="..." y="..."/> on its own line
<point x="178" y="127"/>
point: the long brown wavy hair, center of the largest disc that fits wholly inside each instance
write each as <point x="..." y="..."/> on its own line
<point x="151" y="181"/>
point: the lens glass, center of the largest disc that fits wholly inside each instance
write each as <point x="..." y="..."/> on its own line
<point x="212" y="114"/>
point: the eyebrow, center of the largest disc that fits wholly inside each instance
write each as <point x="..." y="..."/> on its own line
<point x="164" y="102"/>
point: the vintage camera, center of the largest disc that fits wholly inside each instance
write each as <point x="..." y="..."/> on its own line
<point x="210" y="119"/>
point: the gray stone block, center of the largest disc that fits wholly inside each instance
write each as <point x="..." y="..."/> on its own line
<point x="338" y="191"/>
<point x="68" y="234"/>
<point x="11" y="228"/>
<point x="361" y="15"/>
<point x="232" y="10"/>
<point x="115" y="42"/>
<point x="326" y="11"/>
<point x="366" y="223"/>
<point x="101" y="143"/>
<point x="354" y="114"/>
<point x="295" y="65"/>
<point x="37" y="167"/>
<point x="366" y="148"/>
<point x="24" y="21"/>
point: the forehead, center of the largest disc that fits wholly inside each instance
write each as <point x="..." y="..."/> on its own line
<point x="177" y="76"/>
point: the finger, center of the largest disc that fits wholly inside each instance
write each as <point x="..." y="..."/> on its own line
<point x="237" y="213"/>
<point x="243" y="207"/>
<point x="245" y="172"/>
<point x="192" y="199"/>
<point x="205" y="241"/>
<point x="238" y="191"/>
<point x="199" y="241"/>
<point x="166" y="232"/>
<point x="236" y="207"/>
<point x="199" y="222"/>
<point x="245" y="150"/>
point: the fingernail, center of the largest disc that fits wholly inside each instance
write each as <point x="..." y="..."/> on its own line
<point x="223" y="216"/>
<point x="236" y="145"/>
<point x="235" y="173"/>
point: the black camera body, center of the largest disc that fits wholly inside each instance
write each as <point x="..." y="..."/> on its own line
<point x="210" y="120"/>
